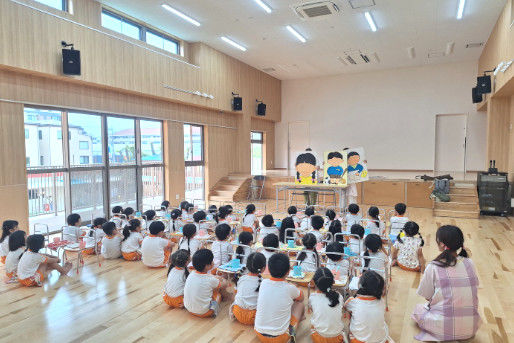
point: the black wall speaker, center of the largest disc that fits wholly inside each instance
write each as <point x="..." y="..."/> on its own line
<point x="237" y="103"/>
<point x="484" y="84"/>
<point x="261" y="109"/>
<point x="477" y="97"/>
<point x="70" y="62"/>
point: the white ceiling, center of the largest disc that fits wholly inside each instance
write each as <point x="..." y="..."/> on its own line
<point x="427" y="25"/>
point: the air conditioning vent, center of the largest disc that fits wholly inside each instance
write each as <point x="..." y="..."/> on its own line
<point x="361" y="3"/>
<point x="268" y="70"/>
<point x="474" y="45"/>
<point x="315" y="10"/>
<point x="358" y="57"/>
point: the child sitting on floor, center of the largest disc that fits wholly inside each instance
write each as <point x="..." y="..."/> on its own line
<point x="270" y="241"/>
<point x="330" y="216"/>
<point x="117" y="216"/>
<point x="16" y="249"/>
<point x="204" y="292"/>
<point x="356" y="245"/>
<point x="94" y="236"/>
<point x="177" y="276"/>
<point x="280" y="305"/>
<point x="398" y="220"/>
<point x="374" y="249"/>
<point x="199" y="221"/>
<point x="292" y="211"/>
<point x="316" y="225"/>
<point x="408" y="250"/>
<point x="175" y="223"/>
<point x="308" y="259"/>
<point x="250" y="221"/>
<point x="111" y="243"/>
<point x="375" y="225"/>
<point x="72" y="233"/>
<point x="268" y="227"/>
<point x="222" y="248"/>
<point x="221" y="216"/>
<point x="335" y="228"/>
<point x="326" y="306"/>
<point x="8" y="227"/>
<point x="132" y="239"/>
<point x="188" y="241"/>
<point x="34" y="267"/>
<point x="129" y="214"/>
<point x="305" y="224"/>
<point x="247" y="286"/>
<point x="353" y="216"/>
<point x="367" y="323"/>
<point x="287" y="230"/>
<point x="212" y="212"/>
<point x="336" y="262"/>
<point x="149" y="218"/>
<point x="155" y="249"/>
<point x="242" y="253"/>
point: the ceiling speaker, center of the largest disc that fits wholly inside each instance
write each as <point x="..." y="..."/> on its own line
<point x="237" y="103"/>
<point x="261" y="109"/>
<point x="70" y="62"/>
<point x="484" y="84"/>
<point x="477" y="97"/>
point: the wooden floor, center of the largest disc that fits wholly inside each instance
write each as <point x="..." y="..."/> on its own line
<point x="122" y="301"/>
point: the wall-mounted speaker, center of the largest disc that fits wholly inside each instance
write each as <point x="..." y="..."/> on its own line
<point x="70" y="62"/>
<point x="484" y="84"/>
<point x="237" y="103"/>
<point x="477" y="97"/>
<point x="261" y="109"/>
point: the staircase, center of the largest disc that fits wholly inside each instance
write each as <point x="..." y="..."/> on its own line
<point x="233" y="187"/>
<point x="463" y="202"/>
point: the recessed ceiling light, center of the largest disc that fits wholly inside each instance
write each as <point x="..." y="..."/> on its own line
<point x="370" y="20"/>
<point x="296" y="34"/>
<point x="180" y="14"/>
<point x="449" y="48"/>
<point x="263" y="5"/>
<point x="411" y="52"/>
<point x="234" y="44"/>
<point x="460" y="10"/>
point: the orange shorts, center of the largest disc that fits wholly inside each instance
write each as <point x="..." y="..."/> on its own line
<point x="355" y="340"/>
<point x="317" y="338"/>
<point x="35" y="280"/>
<point x="3" y="259"/>
<point x="244" y="316"/>
<point x="177" y="302"/>
<point x="247" y="229"/>
<point x="11" y="275"/>
<point x="409" y="269"/>
<point x="131" y="256"/>
<point x="283" y="338"/>
<point x="89" y="251"/>
<point x="216" y="296"/>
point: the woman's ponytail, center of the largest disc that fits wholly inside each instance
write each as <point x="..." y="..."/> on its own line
<point x="463" y="252"/>
<point x="453" y="240"/>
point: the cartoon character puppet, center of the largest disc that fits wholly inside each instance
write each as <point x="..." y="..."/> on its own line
<point x="354" y="167"/>
<point x="335" y="171"/>
<point x="306" y="169"/>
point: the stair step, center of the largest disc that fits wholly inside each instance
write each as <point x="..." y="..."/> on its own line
<point x="456" y="206"/>
<point x="221" y="193"/>
<point x="226" y="187"/>
<point x="219" y="198"/>
<point x="464" y="198"/>
<point x="457" y="214"/>
<point x="463" y="190"/>
<point x="241" y="177"/>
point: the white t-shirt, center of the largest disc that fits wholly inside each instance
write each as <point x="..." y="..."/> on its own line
<point x="4" y="247"/>
<point x="175" y="283"/>
<point x="29" y="264"/>
<point x="266" y="231"/>
<point x="246" y="252"/>
<point x="152" y="251"/>
<point x="397" y="224"/>
<point x="198" y="292"/>
<point x="305" y="223"/>
<point x="354" y="245"/>
<point x="132" y="243"/>
<point x="222" y="251"/>
<point x="12" y="260"/>
<point x="118" y="221"/>
<point x="296" y="220"/>
<point x="71" y="233"/>
<point x="246" y="296"/>
<point x="276" y="297"/>
<point x="309" y="263"/>
<point x="326" y="320"/>
<point x="249" y="220"/>
<point x="90" y="240"/>
<point x="377" y="265"/>
<point x="317" y="234"/>
<point x="111" y="247"/>
<point x="373" y="228"/>
<point x="267" y="254"/>
<point x="194" y="245"/>
<point x="175" y="225"/>
<point x="408" y="251"/>
<point x="367" y="323"/>
<point x="352" y="219"/>
<point x="341" y="266"/>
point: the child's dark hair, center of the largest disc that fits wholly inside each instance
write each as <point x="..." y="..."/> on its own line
<point x="223" y="212"/>
<point x="330" y="214"/>
<point x="373" y="213"/>
<point x="213" y="209"/>
<point x="309" y="211"/>
<point x="268" y="220"/>
<point x="287" y="223"/>
<point x="109" y="228"/>
<point x="99" y="221"/>
<point x="189" y="206"/>
<point x="244" y="238"/>
<point x="353" y="208"/>
<point x="309" y="242"/>
<point x="317" y="222"/>
<point x="324" y="280"/>
<point x="453" y="240"/>
<point x="117" y="210"/>
<point x="372" y="242"/>
<point x="278" y="265"/>
<point x="411" y="229"/>
<point x="335" y="247"/>
<point x="256" y="264"/>
<point x="222" y="231"/>
<point x="291" y="210"/>
<point x="183" y="205"/>
<point x="309" y="159"/>
<point x="16" y="240"/>
<point x="179" y="259"/>
<point x="156" y="227"/>
<point x="353" y="153"/>
<point x="334" y="154"/>
<point x="128" y="211"/>
<point x="150" y="214"/>
<point x="188" y="231"/>
<point x="35" y="242"/>
<point x="174" y="215"/>
<point x="371" y="283"/>
<point x="335" y="228"/>
<point x="132" y="226"/>
<point x="358" y="230"/>
<point x="199" y="216"/>
<point x="400" y="208"/>
<point x="250" y="208"/>
<point x="73" y="219"/>
<point x="229" y="208"/>
<point x="270" y="241"/>
<point x="202" y="258"/>
<point x="7" y="226"/>
<point x="165" y="204"/>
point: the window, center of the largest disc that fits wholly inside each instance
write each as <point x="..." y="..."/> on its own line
<point x="257" y="150"/>
<point x="83" y="145"/>
<point x="120" y="24"/>
<point x="59" y="134"/>
<point x="40" y="135"/>
<point x="57" y="4"/>
<point x="85" y="138"/>
<point x="151" y="141"/>
<point x="26" y="134"/>
<point x="121" y="140"/>
<point x="42" y="160"/>
<point x="193" y="156"/>
<point x="84" y="159"/>
<point x="27" y="161"/>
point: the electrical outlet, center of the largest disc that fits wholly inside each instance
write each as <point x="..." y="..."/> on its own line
<point x="177" y="196"/>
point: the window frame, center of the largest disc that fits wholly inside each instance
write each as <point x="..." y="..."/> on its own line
<point x="192" y="163"/>
<point x="64" y="5"/>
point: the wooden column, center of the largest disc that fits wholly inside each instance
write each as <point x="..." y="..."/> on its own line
<point x="498" y="132"/>
<point x="174" y="166"/>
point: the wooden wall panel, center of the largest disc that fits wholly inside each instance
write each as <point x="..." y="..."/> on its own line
<point x="498" y="132"/>
<point x="383" y="193"/>
<point x="174" y="165"/>
<point x="221" y="158"/>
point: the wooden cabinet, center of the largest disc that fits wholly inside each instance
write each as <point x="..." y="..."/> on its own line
<point x="418" y="194"/>
<point x="383" y="192"/>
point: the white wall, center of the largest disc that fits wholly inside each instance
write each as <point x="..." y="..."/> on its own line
<point x="391" y="113"/>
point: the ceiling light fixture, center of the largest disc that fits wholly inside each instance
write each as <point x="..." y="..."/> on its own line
<point x="180" y="14"/>
<point x="371" y="22"/>
<point x="411" y="52"/>
<point x="234" y="44"/>
<point x="263" y="5"/>
<point x="296" y="34"/>
<point x="460" y="10"/>
<point x="449" y="48"/>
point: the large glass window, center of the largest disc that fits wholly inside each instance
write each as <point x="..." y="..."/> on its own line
<point x="57" y="4"/>
<point x="257" y="153"/>
<point x="121" y="140"/>
<point x="85" y="139"/>
<point x="194" y="161"/>
<point x="87" y="197"/>
<point x="162" y="42"/>
<point x="152" y="169"/>
<point x="119" y="24"/>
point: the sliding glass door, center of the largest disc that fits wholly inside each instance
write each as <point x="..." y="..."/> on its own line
<point x="194" y="161"/>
